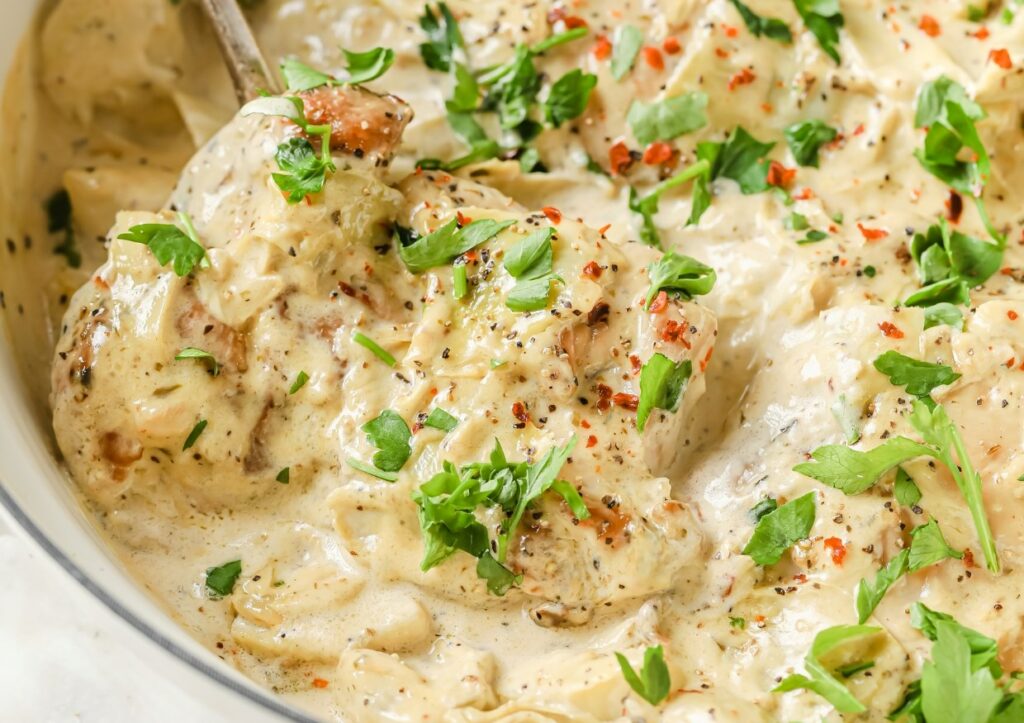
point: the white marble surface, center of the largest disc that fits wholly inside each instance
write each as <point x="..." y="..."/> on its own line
<point x="65" y="657"/>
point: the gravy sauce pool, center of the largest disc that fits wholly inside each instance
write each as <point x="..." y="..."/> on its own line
<point x="122" y="103"/>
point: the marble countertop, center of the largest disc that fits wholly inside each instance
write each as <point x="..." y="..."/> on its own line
<point x="66" y="657"/>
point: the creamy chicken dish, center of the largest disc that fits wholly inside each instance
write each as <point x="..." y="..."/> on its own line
<point x="568" y="361"/>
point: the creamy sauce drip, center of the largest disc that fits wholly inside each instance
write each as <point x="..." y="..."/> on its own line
<point x="129" y="90"/>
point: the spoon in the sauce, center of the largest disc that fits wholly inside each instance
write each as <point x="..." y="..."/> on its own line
<point x="249" y="71"/>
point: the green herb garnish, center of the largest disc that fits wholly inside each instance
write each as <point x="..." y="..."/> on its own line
<point x="652" y="683"/>
<point x="194" y="434"/>
<point x="443" y="37"/>
<point x="773" y="28"/>
<point x="284" y="476"/>
<point x="819" y="678"/>
<point x="440" y="419"/>
<point x="446" y="243"/>
<point x="58" y="220"/>
<point x="300" y="381"/>
<point x="530" y="262"/>
<point x="627" y="46"/>
<point x="170" y="245"/>
<point x="666" y="119"/>
<point x="823" y="19"/>
<point x="377" y="350"/>
<point x="918" y="377"/>
<point x="190" y="352"/>
<point x="662" y="383"/>
<point x="806" y="138"/>
<point x="568" y="97"/>
<point x="220" y="581"/>
<point x="778" y="530"/>
<point x="679" y="275"/>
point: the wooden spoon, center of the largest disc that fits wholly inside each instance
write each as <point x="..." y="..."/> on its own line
<point x="249" y="71"/>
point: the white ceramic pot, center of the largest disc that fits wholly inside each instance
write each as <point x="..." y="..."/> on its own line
<point x="36" y="499"/>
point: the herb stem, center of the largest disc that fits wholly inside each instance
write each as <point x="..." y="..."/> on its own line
<point x="969" y="482"/>
<point x="374" y="347"/>
<point x="697" y="169"/>
<point x="553" y="41"/>
<point x="460" y="284"/>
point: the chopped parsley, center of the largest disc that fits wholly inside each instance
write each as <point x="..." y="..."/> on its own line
<point x="284" y="476"/>
<point x="762" y="508"/>
<point x="300" y="381"/>
<point x="773" y="28"/>
<point x="741" y="157"/>
<point x="652" y="683"/>
<point x="170" y="245"/>
<point x="648" y="205"/>
<point x="443" y="37"/>
<point x="460" y="281"/>
<point x="220" y="581"/>
<point x="918" y="377"/>
<point x="679" y="275"/>
<point x="806" y="138"/>
<point x="440" y="419"/>
<point x="662" y="383"/>
<point x="853" y="471"/>
<point x="950" y="264"/>
<point x="58" y="220"/>
<point x="627" y="46"/>
<point x="194" y="434"/>
<point x="568" y="97"/>
<point x="530" y="263"/>
<point x="377" y="350"/>
<point x="819" y="678"/>
<point x="442" y="246"/>
<point x="389" y="433"/>
<point x="361" y="68"/>
<point x="666" y="119"/>
<point x="823" y="19"/>
<point x="371" y="470"/>
<point x="905" y="490"/>
<point x="738" y="623"/>
<point x="777" y="531"/>
<point x="447" y="503"/>
<point x="190" y="352"/>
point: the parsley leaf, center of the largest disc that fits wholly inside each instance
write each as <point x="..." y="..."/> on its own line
<point x="367" y="66"/>
<point x="653" y="683"/>
<point x="762" y="508"/>
<point x="823" y="19"/>
<point x="303" y="171"/>
<point x="928" y="547"/>
<point x="284" y="476"/>
<point x="871" y="592"/>
<point x="300" y="381"/>
<point x="530" y="263"/>
<point x="944" y="107"/>
<point x="853" y="471"/>
<point x="680" y="275"/>
<point x="627" y="47"/>
<point x="193" y="436"/>
<point x="954" y="688"/>
<point x="776" y="531"/>
<point x="171" y="245"/>
<point x="376" y="349"/>
<point x="919" y="377"/>
<point x="499" y="578"/>
<point x="389" y="433"/>
<point x="773" y="28"/>
<point x="949" y="264"/>
<point x="440" y="419"/>
<point x="220" y="581"/>
<point x="648" y="205"/>
<point x="190" y="352"/>
<point x="569" y="97"/>
<point x="662" y="383"/>
<point x="299" y="77"/>
<point x="905" y="490"/>
<point x="741" y="157"/>
<point x="943" y="313"/>
<point x="443" y="37"/>
<point x="371" y="470"/>
<point x="819" y="678"/>
<point x="446" y="243"/>
<point x="666" y="119"/>
<point x="806" y="138"/>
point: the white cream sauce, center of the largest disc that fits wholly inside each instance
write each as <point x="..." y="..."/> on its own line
<point x="113" y="97"/>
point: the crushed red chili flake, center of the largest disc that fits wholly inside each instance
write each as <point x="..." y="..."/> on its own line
<point x="604" y="393"/>
<point x="593" y="270"/>
<point x="872" y="234"/>
<point x="674" y="332"/>
<point x="836" y="549"/>
<point x="319" y="683"/>
<point x="968" y="558"/>
<point x="575" y="21"/>
<point x="859" y="129"/>
<point x="519" y="411"/>
<point x="730" y="31"/>
<point x="462" y="220"/>
<point x="657" y="153"/>
<point x="954" y="206"/>
<point x="671" y="46"/>
<point x="660" y="303"/>
<point x="1001" y="57"/>
<point x="653" y="57"/>
<point x="626" y="401"/>
<point x="930" y="26"/>
<point x="635" y="362"/>
<point x="591" y="441"/>
<point x="553" y="214"/>
<point x="585" y="424"/>
<point x="722" y="52"/>
<point x="804" y="194"/>
<point x="1010" y="362"/>
<point x="602" y="48"/>
<point x="604" y="229"/>
<point x="982" y="33"/>
<point x="1011" y="315"/>
<point x="779" y="175"/>
<point x="619" y="158"/>
<point x="767" y="107"/>
<point x="744" y="76"/>
<point x="707" y="359"/>
<point x="891" y="330"/>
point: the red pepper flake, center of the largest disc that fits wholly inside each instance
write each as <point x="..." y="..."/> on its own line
<point x="553" y="214"/>
<point x="619" y="158"/>
<point x="779" y="175"/>
<point x="1011" y="362"/>
<point x="660" y="303"/>
<point x="635" y="362"/>
<point x="759" y="619"/>
<point x="982" y="33"/>
<point x="626" y="401"/>
<point x="742" y="77"/>
<point x="891" y="330"/>
<point x="859" y="129"/>
<point x="319" y="683"/>
<point x="575" y="21"/>
<point x="593" y="270"/>
<point x="730" y="31"/>
<point x="968" y="558"/>
<point x="872" y="234"/>
<point x="800" y="577"/>
<point x="675" y="332"/>
<point x="462" y="220"/>
<point x="585" y="424"/>
<point x="722" y="53"/>
<point x="604" y="393"/>
<point x="591" y="441"/>
<point x="804" y="194"/>
<point x="657" y="153"/>
<point x="767" y="107"/>
<point x="954" y="206"/>
<point x="602" y="48"/>
<point x="653" y="57"/>
<point x="836" y="549"/>
<point x="1000" y="57"/>
<point x="604" y="229"/>
<point x="930" y="26"/>
<point x="707" y="358"/>
<point x="671" y="46"/>
<point x="519" y="411"/>
<point x="1011" y="315"/>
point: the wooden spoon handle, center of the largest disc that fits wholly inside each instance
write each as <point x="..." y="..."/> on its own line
<point x="248" y="69"/>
